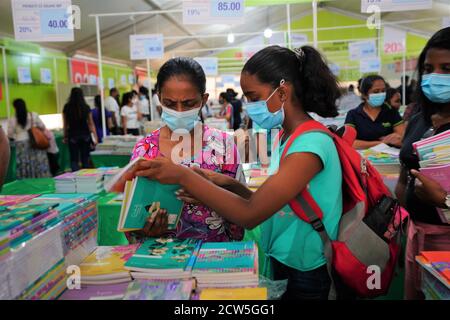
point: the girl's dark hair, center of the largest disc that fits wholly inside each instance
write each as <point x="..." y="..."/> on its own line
<point x="127" y="97"/>
<point x="143" y="90"/>
<point x="21" y="112"/>
<point x="225" y="96"/>
<point x="390" y="92"/>
<point x="76" y="108"/>
<point x="182" y="66"/>
<point x="367" y="83"/>
<point x="440" y="40"/>
<point x="98" y="101"/>
<point x="315" y="85"/>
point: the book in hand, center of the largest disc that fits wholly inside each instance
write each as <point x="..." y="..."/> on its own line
<point x="160" y="290"/>
<point x="144" y="197"/>
<point x="440" y="174"/>
<point x="164" y="258"/>
<point x="227" y="264"/>
<point x="115" y="183"/>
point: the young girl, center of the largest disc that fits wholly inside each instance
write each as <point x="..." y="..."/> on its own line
<point x="181" y="89"/>
<point x="282" y="86"/>
<point x="130" y="114"/>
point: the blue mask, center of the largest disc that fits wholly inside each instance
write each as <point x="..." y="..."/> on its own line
<point x="180" y="120"/>
<point x="376" y="100"/>
<point x="436" y="87"/>
<point x="259" y="112"/>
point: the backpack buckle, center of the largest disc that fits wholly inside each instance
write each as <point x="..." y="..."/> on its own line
<point x="317" y="225"/>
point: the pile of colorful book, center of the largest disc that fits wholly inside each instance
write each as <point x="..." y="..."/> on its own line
<point x="384" y="158"/>
<point x="436" y="275"/>
<point x="85" y="180"/>
<point x="117" y="145"/>
<point x="66" y="183"/>
<point x="255" y="175"/>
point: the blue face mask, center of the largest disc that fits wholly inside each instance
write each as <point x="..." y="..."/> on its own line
<point x="376" y="100"/>
<point x="436" y="87"/>
<point x="259" y="112"/>
<point x="180" y="120"/>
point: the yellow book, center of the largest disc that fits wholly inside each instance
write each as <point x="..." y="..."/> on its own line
<point x="234" y="294"/>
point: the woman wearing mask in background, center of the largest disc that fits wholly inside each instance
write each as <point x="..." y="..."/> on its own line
<point x="130" y="114"/>
<point x="282" y="86"/>
<point x="393" y="98"/>
<point x="30" y="162"/>
<point x="418" y="194"/>
<point x="374" y="121"/>
<point x="79" y="129"/>
<point x="181" y="89"/>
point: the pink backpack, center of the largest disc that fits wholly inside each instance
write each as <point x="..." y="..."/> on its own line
<point x="358" y="247"/>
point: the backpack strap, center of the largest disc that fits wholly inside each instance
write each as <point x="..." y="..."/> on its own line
<point x="304" y="205"/>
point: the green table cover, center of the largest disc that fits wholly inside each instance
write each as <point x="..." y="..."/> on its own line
<point x="110" y="160"/>
<point x="108" y="218"/>
<point x="29" y="186"/>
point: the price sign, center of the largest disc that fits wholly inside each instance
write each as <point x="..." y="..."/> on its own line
<point x="46" y="76"/>
<point x="395" y="5"/>
<point x="298" y="39"/>
<point x="24" y="75"/>
<point x="394" y="41"/>
<point x="362" y="49"/>
<point x="372" y="65"/>
<point x="213" y="11"/>
<point x="146" y="46"/>
<point x="209" y="65"/>
<point x="42" y="20"/>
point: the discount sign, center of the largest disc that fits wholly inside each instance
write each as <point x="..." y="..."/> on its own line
<point x="43" y="20"/>
<point x="394" y="41"/>
<point x="213" y="11"/>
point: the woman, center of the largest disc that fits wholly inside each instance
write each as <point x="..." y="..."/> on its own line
<point x="79" y="129"/>
<point x="130" y="114"/>
<point x="30" y="162"/>
<point x="282" y="86"/>
<point x="97" y="117"/>
<point x="373" y="120"/>
<point x="144" y="103"/>
<point x="181" y="89"/>
<point x="226" y="111"/>
<point x="418" y="194"/>
<point x="393" y="99"/>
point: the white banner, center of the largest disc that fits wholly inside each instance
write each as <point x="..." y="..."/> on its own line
<point x="46" y="76"/>
<point x="445" y="22"/>
<point x="362" y="49"/>
<point x="372" y="65"/>
<point x="43" y="20"/>
<point x="209" y="65"/>
<point x="213" y="11"/>
<point x="146" y="46"/>
<point x="24" y="75"/>
<point x="395" y="5"/>
<point x="298" y="40"/>
<point x="394" y="41"/>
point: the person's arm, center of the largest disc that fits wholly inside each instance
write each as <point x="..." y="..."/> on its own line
<point x="400" y="188"/>
<point x="124" y="124"/>
<point x="295" y="172"/>
<point x="91" y="126"/>
<point x="11" y="129"/>
<point x="4" y="156"/>
<point x="362" y="144"/>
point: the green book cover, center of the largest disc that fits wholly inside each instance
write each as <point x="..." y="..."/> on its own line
<point x="164" y="253"/>
<point x="143" y="194"/>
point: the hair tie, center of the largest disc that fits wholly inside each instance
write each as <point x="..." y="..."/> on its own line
<point x="299" y="53"/>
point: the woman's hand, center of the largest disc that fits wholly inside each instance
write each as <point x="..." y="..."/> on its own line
<point x="429" y="190"/>
<point x="393" y="139"/>
<point x="161" y="169"/>
<point x="127" y="176"/>
<point x="156" y="225"/>
<point x="218" y="179"/>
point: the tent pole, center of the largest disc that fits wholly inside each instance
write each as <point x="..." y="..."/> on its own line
<point x="5" y="75"/>
<point x="100" y="73"/>
<point x="314" y="6"/>
<point x="152" y="111"/>
<point x="288" y="16"/>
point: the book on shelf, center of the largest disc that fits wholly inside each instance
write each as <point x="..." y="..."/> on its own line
<point x="99" y="292"/>
<point x="144" y="197"/>
<point x="160" y="290"/>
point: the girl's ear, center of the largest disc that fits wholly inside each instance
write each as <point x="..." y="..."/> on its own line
<point x="284" y="92"/>
<point x="205" y="98"/>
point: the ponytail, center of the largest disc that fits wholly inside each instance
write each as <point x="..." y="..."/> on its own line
<point x="315" y="85"/>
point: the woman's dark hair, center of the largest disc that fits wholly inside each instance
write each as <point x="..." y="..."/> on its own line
<point x="440" y="40"/>
<point x="143" y="90"/>
<point x="225" y="96"/>
<point x="367" y="83"/>
<point x="98" y="101"/>
<point x="127" y="97"/>
<point x="76" y="109"/>
<point x="21" y="112"/>
<point x="182" y="66"/>
<point x="315" y="85"/>
<point x="390" y="92"/>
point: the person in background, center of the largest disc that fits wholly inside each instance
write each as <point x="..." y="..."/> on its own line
<point x="374" y="121"/>
<point x="30" y="162"/>
<point x="408" y="90"/>
<point x="130" y="114"/>
<point x="112" y="105"/>
<point x="52" y="153"/>
<point x="350" y="100"/>
<point x="393" y="98"/>
<point x="79" y="129"/>
<point x="237" y="109"/>
<point x="421" y="195"/>
<point x="181" y="88"/>
<point x="98" y="121"/>
<point x="4" y="156"/>
<point x="144" y="103"/>
<point x="156" y="106"/>
<point x="226" y="111"/>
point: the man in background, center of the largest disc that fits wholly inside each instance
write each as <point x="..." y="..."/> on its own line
<point x="112" y="105"/>
<point x="350" y="100"/>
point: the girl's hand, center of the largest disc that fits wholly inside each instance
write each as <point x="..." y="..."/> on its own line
<point x="127" y="176"/>
<point x="156" y="225"/>
<point x="429" y="190"/>
<point x="218" y="179"/>
<point x="161" y="169"/>
<point x="185" y="196"/>
<point x="393" y="139"/>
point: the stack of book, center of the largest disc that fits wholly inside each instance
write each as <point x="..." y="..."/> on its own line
<point x="384" y="158"/>
<point x="109" y="174"/>
<point x="117" y="145"/>
<point x="160" y="290"/>
<point x="89" y="181"/>
<point x="103" y="292"/>
<point x="226" y="264"/>
<point x="164" y="258"/>
<point x="434" y="156"/>
<point x="66" y="183"/>
<point x="10" y="200"/>
<point x="5" y="253"/>
<point x="436" y="278"/>
<point x="255" y="175"/>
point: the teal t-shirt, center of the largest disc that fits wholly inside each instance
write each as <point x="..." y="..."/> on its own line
<point x="289" y="239"/>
